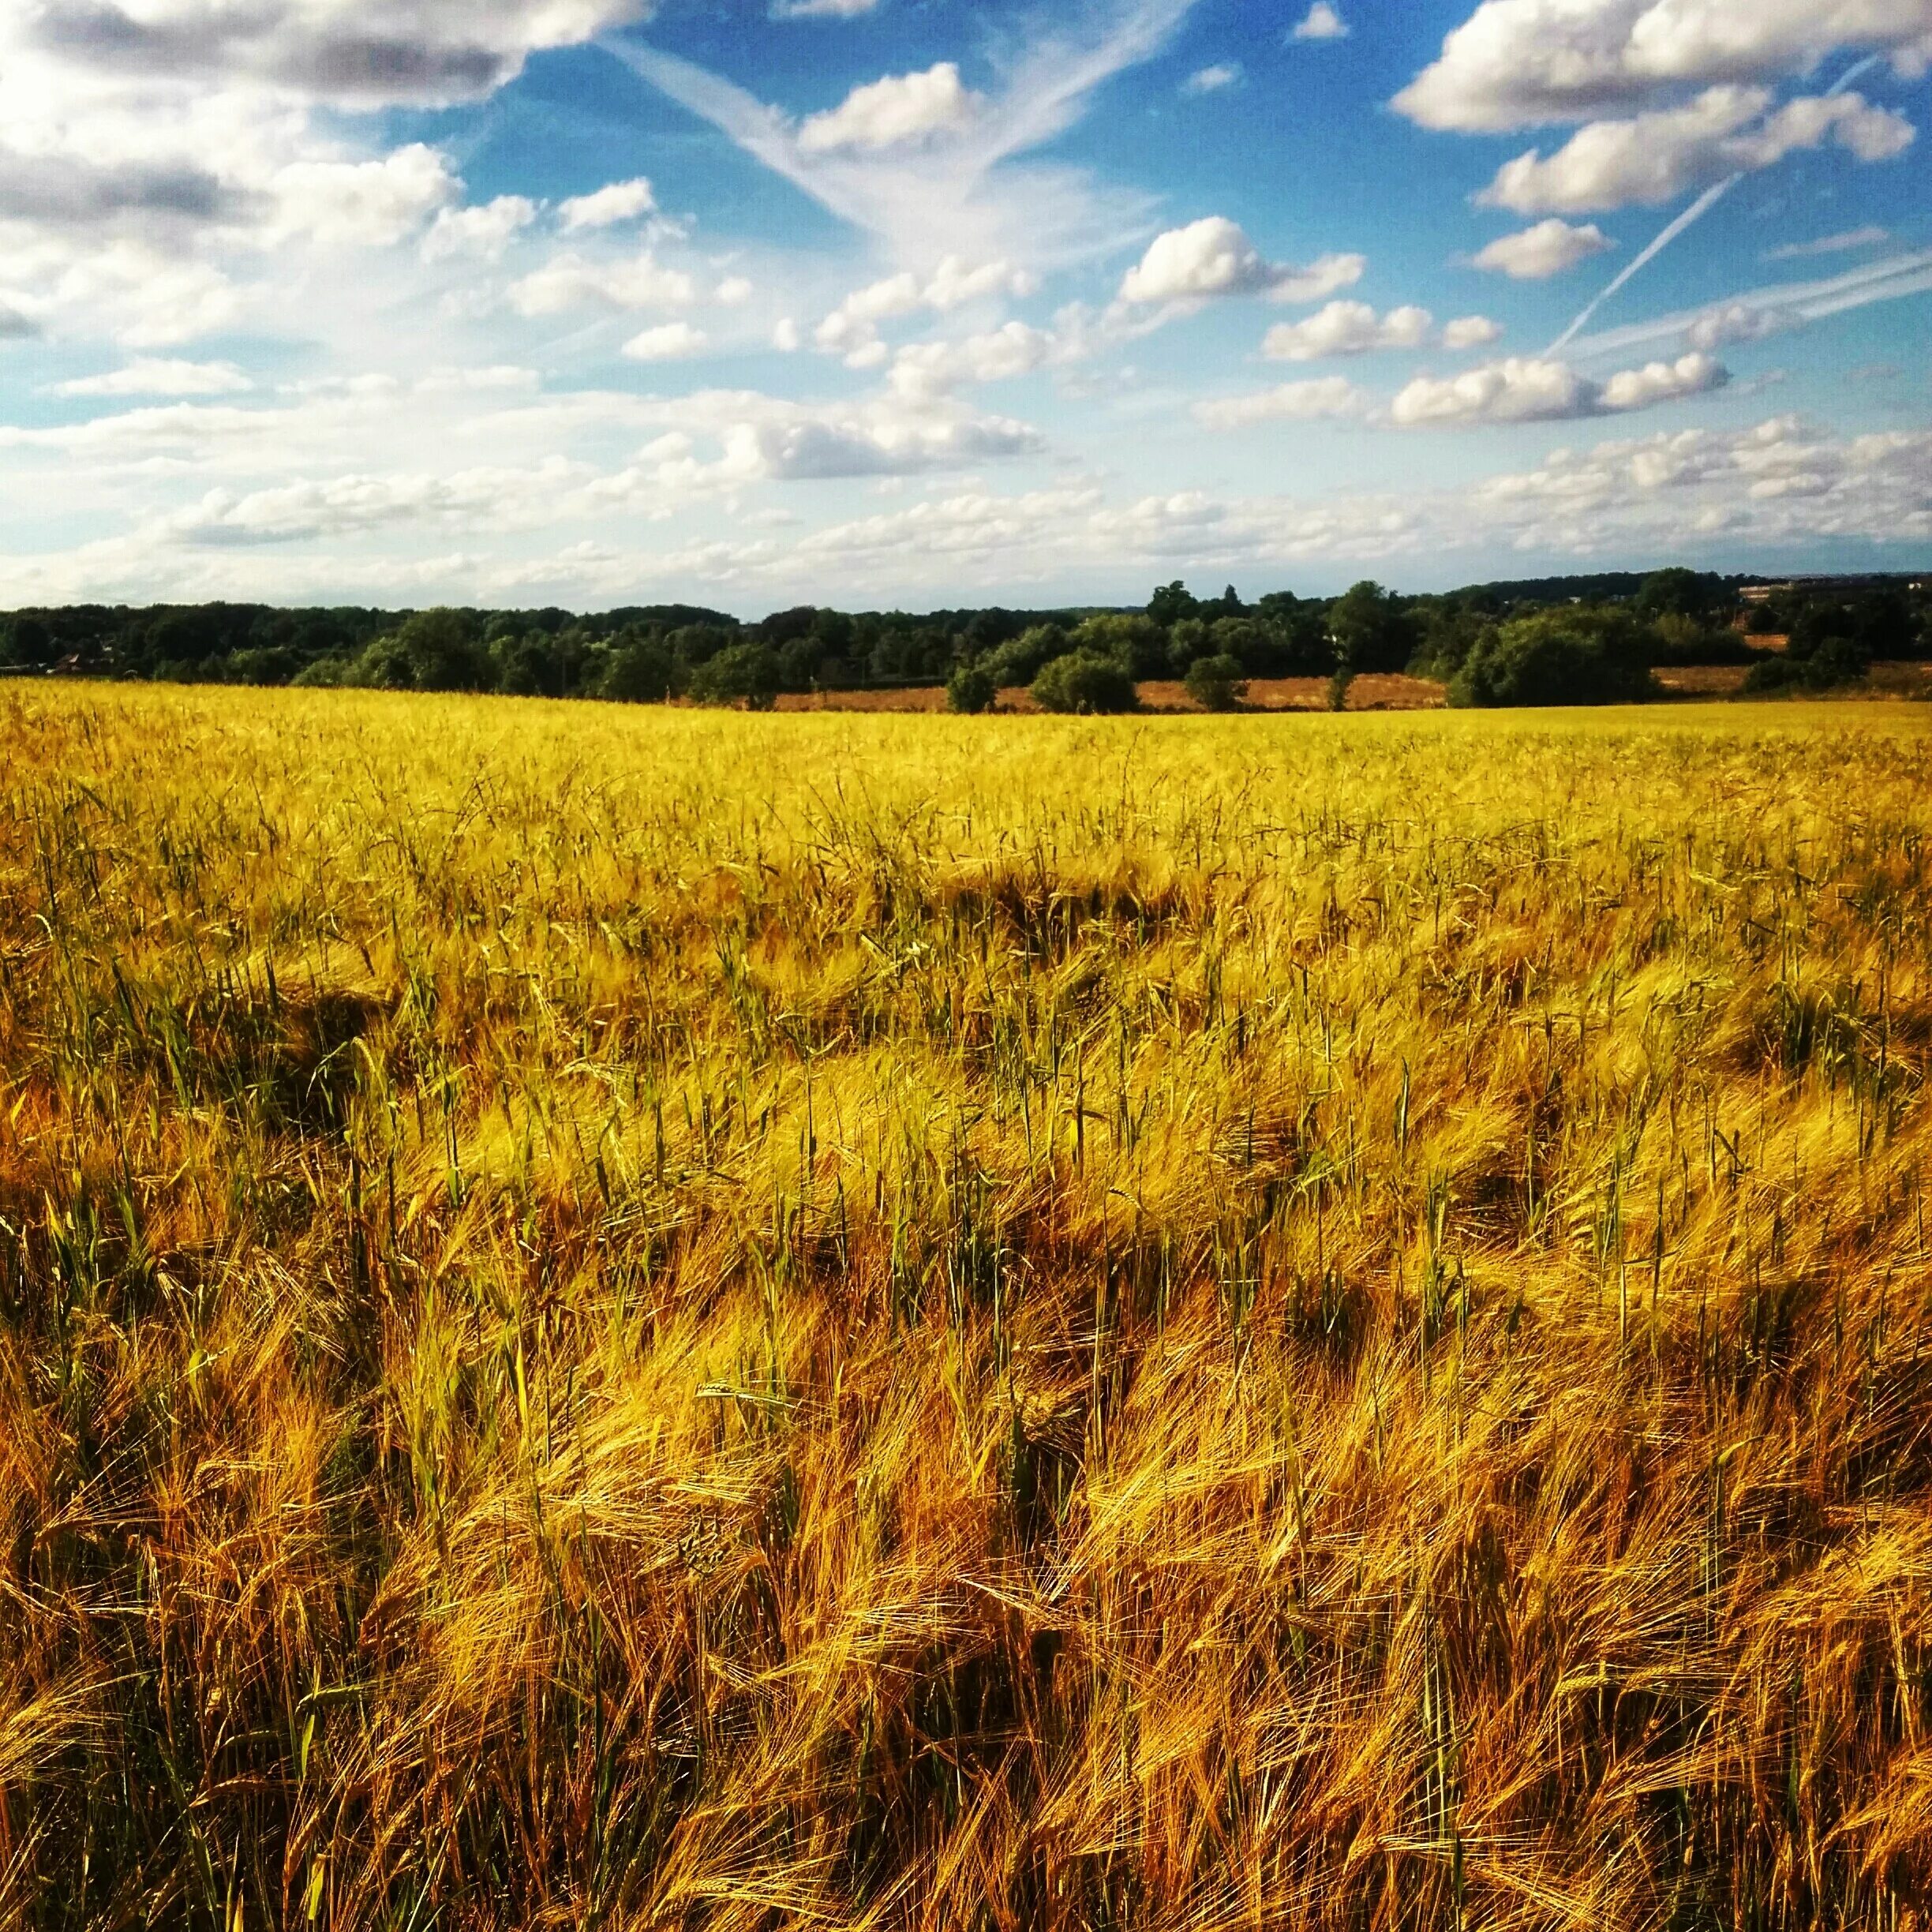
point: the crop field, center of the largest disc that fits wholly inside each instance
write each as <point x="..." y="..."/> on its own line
<point x="633" y="1319"/>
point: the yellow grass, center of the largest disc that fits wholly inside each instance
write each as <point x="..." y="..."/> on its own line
<point x="633" y="1320"/>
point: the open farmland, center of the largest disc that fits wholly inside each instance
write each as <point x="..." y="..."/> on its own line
<point x="634" y="1318"/>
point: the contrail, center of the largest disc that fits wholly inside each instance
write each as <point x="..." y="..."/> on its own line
<point x="1695" y="213"/>
<point x="1689" y="219"/>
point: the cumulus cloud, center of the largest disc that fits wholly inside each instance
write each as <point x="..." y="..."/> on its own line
<point x="1322" y="22"/>
<point x="927" y="369"/>
<point x="668" y="342"/>
<point x="1522" y="389"/>
<point x="425" y="52"/>
<point x="148" y="375"/>
<point x="483" y="232"/>
<point x="607" y="207"/>
<point x="1655" y="158"/>
<point x="1213" y="257"/>
<point x="1725" y="323"/>
<point x="822" y="9"/>
<point x="1347" y="328"/>
<point x="852" y="330"/>
<point x="1550" y="248"/>
<point x="811" y="452"/>
<point x="1214" y="80"/>
<point x="895" y="112"/>
<point x="1471" y="333"/>
<point x="361" y="203"/>
<point x="570" y="281"/>
<point x="1326" y="397"/>
<point x="1524" y="63"/>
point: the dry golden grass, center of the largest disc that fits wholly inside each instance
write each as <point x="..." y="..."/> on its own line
<point x="631" y="1320"/>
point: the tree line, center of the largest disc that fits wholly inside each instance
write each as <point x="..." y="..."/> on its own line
<point x="1594" y="639"/>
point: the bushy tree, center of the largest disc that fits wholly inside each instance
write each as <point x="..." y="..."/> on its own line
<point x="1020" y="659"/>
<point x="1135" y="642"/>
<point x="433" y="650"/>
<point x="1371" y="631"/>
<point x="1086" y="682"/>
<point x="1578" y="656"/>
<point x="1820" y="658"/>
<point x="1191" y="638"/>
<point x="1217" y="683"/>
<point x="640" y="669"/>
<point x="746" y="674"/>
<point x="26" y="641"/>
<point x="1688" y="593"/>
<point x="970" y="690"/>
<point x="1173" y="603"/>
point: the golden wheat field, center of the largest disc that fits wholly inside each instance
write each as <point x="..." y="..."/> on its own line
<point x="635" y="1319"/>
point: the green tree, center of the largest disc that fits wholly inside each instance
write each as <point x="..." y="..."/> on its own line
<point x="1135" y="642"/>
<point x="746" y="674"/>
<point x="1086" y="682"/>
<point x="1217" y="683"/>
<point x="1173" y="603"/>
<point x="1581" y="656"/>
<point x="1679" y="593"/>
<point x="434" y="650"/>
<point x="1020" y="659"/>
<point x="1190" y="638"/>
<point x="1370" y="630"/>
<point x="970" y="690"/>
<point x="639" y="670"/>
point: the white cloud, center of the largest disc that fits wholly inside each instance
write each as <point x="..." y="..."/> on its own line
<point x="893" y="113"/>
<point x="608" y="207"/>
<point x="425" y="51"/>
<point x="360" y="204"/>
<point x="785" y="336"/>
<point x="1728" y="323"/>
<point x="1326" y="397"/>
<point x="1655" y="158"/>
<point x="1471" y="333"/>
<point x="984" y="192"/>
<point x="1868" y="237"/>
<point x="852" y="330"/>
<point x="1214" y="80"/>
<point x="1550" y="248"/>
<point x="1213" y="257"/>
<point x="1693" y="375"/>
<point x="1322" y="23"/>
<point x="1347" y="328"/>
<point x="484" y="232"/>
<point x="1522" y="390"/>
<point x="822" y="9"/>
<point x="955" y="282"/>
<point x="1893" y="279"/>
<point x="1523" y="63"/>
<point x="811" y="452"/>
<point x="147" y="375"/>
<point x="668" y="342"/>
<point x="928" y="370"/>
<point x="570" y="281"/>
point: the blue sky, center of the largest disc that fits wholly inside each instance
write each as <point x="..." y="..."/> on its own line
<point x="919" y="302"/>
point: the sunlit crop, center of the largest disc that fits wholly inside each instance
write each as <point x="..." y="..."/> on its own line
<point x="631" y="1319"/>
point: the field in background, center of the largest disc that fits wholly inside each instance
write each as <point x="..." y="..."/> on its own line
<point x="1371" y="693"/>
<point x="626" y="1318"/>
<point x="1376" y="693"/>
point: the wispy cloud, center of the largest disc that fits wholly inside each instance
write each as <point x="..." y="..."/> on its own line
<point x="1790" y="303"/>
<point x="1869" y="237"/>
<point x="967" y="191"/>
